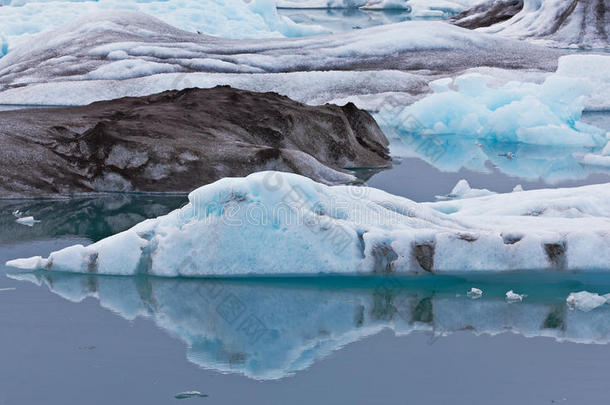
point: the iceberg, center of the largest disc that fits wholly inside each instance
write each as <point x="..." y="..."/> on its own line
<point x="585" y="301"/>
<point x="512" y="296"/>
<point x="121" y="53"/>
<point x="474" y="293"/>
<point x="470" y="106"/>
<point x="419" y="8"/>
<point x="463" y="190"/>
<point x="21" y="20"/>
<point x="27" y="221"/>
<point x="561" y="23"/>
<point x="227" y="227"/>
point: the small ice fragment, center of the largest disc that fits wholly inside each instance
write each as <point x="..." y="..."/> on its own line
<point x="474" y="293"/>
<point x="511" y="296"/>
<point x="509" y="155"/>
<point x="518" y="188"/>
<point x="17" y="214"/>
<point x="27" y="221"/>
<point x="190" y="394"/>
<point x="7" y="289"/>
<point x="585" y="301"/>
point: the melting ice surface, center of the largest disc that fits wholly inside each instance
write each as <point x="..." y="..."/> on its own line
<point x="471" y="107"/>
<point x="229" y="226"/>
<point x="19" y="20"/>
<point x="272" y="328"/>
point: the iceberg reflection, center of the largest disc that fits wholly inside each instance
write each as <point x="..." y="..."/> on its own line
<point x="269" y="328"/>
<point x="550" y="164"/>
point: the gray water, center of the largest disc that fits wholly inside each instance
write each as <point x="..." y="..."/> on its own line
<point x="74" y="339"/>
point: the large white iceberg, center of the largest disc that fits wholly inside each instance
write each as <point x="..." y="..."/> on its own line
<point x="278" y="223"/>
<point x="20" y="20"/>
<point x="77" y="63"/>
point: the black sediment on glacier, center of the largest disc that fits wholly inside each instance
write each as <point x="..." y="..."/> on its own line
<point x="176" y="141"/>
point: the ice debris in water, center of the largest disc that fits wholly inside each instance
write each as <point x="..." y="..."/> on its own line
<point x="473" y="106"/>
<point x="511" y="296"/>
<point x="585" y="301"/>
<point x="463" y="190"/>
<point x="27" y="221"/>
<point x="17" y="214"/>
<point x="594" y="159"/>
<point x="474" y="293"/>
<point x="190" y="394"/>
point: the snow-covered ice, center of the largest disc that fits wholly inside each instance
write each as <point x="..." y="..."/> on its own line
<point x="585" y="301"/>
<point x="560" y="23"/>
<point x="228" y="226"/>
<point x="463" y="190"/>
<point x="27" y="221"/>
<point x="419" y="8"/>
<point x="512" y="296"/>
<point x="91" y="59"/>
<point x="470" y="107"/>
<point x="20" y="21"/>
<point x="474" y="293"/>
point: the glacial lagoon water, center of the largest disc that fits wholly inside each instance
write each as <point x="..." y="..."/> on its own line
<point x="74" y="339"/>
<point x="339" y="20"/>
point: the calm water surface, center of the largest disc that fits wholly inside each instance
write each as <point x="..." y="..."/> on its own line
<point x="73" y="339"/>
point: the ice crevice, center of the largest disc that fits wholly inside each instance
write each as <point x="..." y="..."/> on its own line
<point x="228" y="227"/>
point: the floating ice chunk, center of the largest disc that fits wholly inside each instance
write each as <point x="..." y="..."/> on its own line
<point x="463" y="190"/>
<point x="190" y="394"/>
<point x="439" y="8"/>
<point x="516" y="112"/>
<point x="511" y="296"/>
<point x="585" y="301"/>
<point x="27" y="221"/>
<point x="305" y="4"/>
<point x="17" y="214"/>
<point x="592" y="159"/>
<point x="228" y="226"/>
<point x="7" y="289"/>
<point x="474" y="293"/>
<point x="419" y="8"/>
<point x="602" y="159"/>
<point x="518" y="188"/>
<point x="387" y="5"/>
